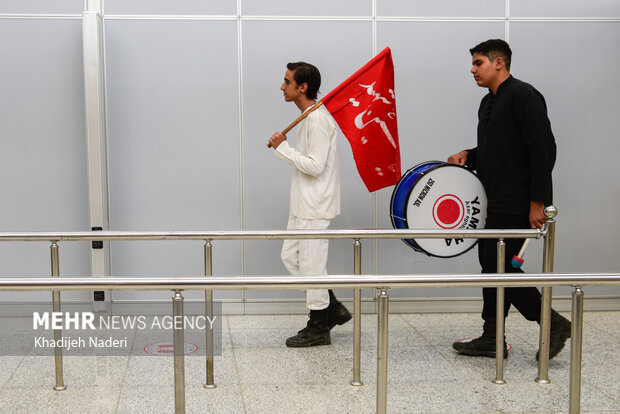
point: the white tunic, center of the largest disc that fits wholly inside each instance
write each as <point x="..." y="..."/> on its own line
<point x="315" y="187"/>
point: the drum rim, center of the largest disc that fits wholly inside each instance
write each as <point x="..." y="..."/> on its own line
<point x="439" y="164"/>
<point x="409" y="192"/>
<point x="411" y="242"/>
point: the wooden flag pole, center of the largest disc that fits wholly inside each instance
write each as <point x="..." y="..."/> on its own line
<point x="298" y="120"/>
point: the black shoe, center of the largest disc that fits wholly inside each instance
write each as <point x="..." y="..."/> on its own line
<point x="315" y="333"/>
<point x="560" y="332"/>
<point x="482" y="346"/>
<point x="338" y="315"/>
<point x="309" y="336"/>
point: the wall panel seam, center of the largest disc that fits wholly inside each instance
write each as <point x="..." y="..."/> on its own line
<point x="370" y="18"/>
<point x="241" y="144"/>
<point x="42" y="16"/>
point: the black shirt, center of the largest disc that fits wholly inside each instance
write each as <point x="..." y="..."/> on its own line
<point x="516" y="149"/>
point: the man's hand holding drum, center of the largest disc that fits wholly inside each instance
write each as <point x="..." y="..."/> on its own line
<point x="459" y="158"/>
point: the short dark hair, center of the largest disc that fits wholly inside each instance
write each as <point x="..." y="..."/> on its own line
<point x="306" y="73"/>
<point x="493" y="49"/>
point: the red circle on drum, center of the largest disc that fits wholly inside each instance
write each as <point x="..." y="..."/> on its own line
<point x="448" y="211"/>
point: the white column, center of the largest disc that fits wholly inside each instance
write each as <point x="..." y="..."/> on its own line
<point x="94" y="90"/>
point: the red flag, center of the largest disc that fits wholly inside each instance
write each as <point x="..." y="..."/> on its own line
<point x="364" y="107"/>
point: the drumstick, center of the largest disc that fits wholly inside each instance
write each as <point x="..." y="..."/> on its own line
<point x="517" y="261"/>
<point x="298" y="120"/>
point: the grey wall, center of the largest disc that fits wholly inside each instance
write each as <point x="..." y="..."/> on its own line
<point x="193" y="94"/>
<point x="43" y="150"/>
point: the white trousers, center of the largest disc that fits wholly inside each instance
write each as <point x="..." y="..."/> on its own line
<point x="308" y="257"/>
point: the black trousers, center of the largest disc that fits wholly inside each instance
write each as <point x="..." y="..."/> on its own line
<point x="526" y="299"/>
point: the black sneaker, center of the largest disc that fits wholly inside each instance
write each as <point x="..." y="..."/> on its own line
<point x="339" y="315"/>
<point x="482" y="346"/>
<point x="560" y="332"/>
<point x="309" y="336"/>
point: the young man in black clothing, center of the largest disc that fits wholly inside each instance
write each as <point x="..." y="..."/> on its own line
<point x="514" y="158"/>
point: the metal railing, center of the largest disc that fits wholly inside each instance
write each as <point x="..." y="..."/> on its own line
<point x="209" y="237"/>
<point x="382" y="283"/>
<point x="548" y="232"/>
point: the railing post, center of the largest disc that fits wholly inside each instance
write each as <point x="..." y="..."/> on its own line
<point x="547" y="292"/>
<point x="575" y="351"/>
<point x="60" y="386"/>
<point x="382" y="351"/>
<point x="210" y="383"/>
<point x="179" y="353"/>
<point x="499" y="316"/>
<point x="357" y="316"/>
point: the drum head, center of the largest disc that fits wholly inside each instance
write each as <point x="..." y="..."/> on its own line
<point x="444" y="196"/>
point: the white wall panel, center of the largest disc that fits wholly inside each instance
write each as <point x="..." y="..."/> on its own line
<point x="173" y="141"/>
<point x="565" y="8"/>
<point x="43" y="157"/>
<point x="574" y="65"/>
<point x="306" y="8"/>
<point x="167" y="7"/>
<point x="444" y="8"/>
<point x="42" y="6"/>
<point x="187" y="133"/>
<point x="581" y="90"/>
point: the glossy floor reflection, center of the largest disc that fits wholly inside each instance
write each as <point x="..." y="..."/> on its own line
<point x="256" y="373"/>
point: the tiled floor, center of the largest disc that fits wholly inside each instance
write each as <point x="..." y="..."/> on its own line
<point x="256" y="373"/>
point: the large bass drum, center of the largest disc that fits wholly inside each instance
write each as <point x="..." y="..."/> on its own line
<point x="438" y="195"/>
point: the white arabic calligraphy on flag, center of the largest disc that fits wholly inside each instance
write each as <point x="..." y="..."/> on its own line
<point x="373" y="131"/>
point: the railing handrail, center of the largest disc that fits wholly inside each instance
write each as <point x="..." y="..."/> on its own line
<point x="109" y="235"/>
<point x="310" y="282"/>
<point x="547" y="280"/>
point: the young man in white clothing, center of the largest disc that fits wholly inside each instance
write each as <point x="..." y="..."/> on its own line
<point x="314" y="200"/>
